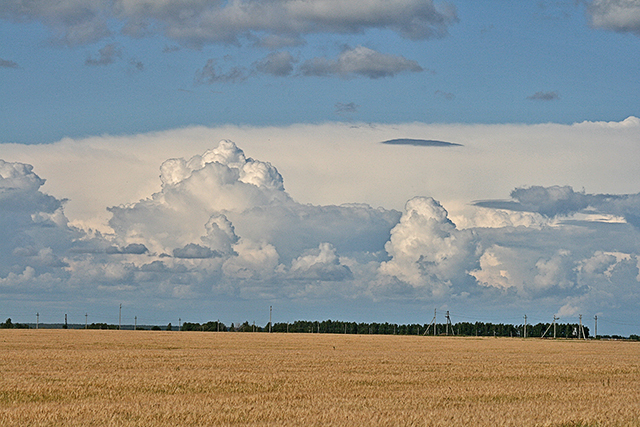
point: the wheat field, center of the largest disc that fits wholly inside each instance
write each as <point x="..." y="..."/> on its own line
<point x="143" y="378"/>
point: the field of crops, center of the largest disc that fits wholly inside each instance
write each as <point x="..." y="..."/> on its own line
<point x="144" y="378"/>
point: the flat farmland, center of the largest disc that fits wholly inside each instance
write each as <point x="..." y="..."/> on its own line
<point x="144" y="378"/>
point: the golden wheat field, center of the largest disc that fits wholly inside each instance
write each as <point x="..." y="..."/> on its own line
<point x="136" y="378"/>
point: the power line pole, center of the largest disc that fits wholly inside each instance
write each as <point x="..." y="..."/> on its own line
<point x="37" y="320"/>
<point x="135" y="323"/>
<point x="120" y="317"/>
<point x="86" y="320"/>
<point x="270" y="311"/>
<point x="596" y="330"/>
<point x="525" y="325"/>
<point x="179" y="324"/>
<point x="433" y="322"/>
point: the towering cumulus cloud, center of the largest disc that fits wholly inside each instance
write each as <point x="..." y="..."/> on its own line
<point x="233" y="212"/>
<point x="427" y="250"/>
<point x="33" y="231"/>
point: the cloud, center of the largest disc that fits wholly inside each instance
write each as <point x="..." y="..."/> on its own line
<point x="278" y="64"/>
<point x="222" y="197"/>
<point x="445" y="95"/>
<point x="427" y="250"/>
<point x="350" y="107"/>
<point x="34" y="232"/>
<point x="544" y="96"/>
<point x="221" y="229"/>
<point x="72" y="22"/>
<point x="137" y="65"/>
<point x="133" y="248"/>
<point x="5" y="63"/>
<point x="170" y="49"/>
<point x="106" y="55"/>
<point x="320" y="264"/>
<point x="557" y="201"/>
<point x="616" y="15"/>
<point x="193" y="250"/>
<point x="211" y="73"/>
<point x="421" y="142"/>
<point x="551" y="201"/>
<point x="360" y="61"/>
<point x="200" y="22"/>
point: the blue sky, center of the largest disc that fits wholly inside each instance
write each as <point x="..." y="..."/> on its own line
<point x="115" y="187"/>
<point x="486" y="66"/>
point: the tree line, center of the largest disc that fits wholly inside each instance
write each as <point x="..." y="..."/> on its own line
<point x="480" y="329"/>
<point x="562" y="330"/>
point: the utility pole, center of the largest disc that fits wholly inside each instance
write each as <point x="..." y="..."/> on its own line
<point x="86" y="320"/>
<point x="120" y="317"/>
<point x="270" y="311"/>
<point x="433" y="322"/>
<point x="135" y="323"/>
<point x="596" y="331"/>
<point x="179" y="324"/>
<point x="525" y="325"/>
<point x="38" y="320"/>
<point x="218" y="325"/>
<point x="65" y="321"/>
<point x="584" y="336"/>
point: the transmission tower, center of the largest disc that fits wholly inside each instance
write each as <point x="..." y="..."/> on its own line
<point x="449" y="324"/>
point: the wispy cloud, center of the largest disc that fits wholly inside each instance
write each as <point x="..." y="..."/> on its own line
<point x="445" y="95"/>
<point x="4" y="63"/>
<point x="544" y="96"/>
<point x="106" y="55"/>
<point x="212" y="73"/>
<point x="350" y="107"/>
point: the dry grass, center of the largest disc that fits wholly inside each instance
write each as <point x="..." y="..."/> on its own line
<point x="127" y="378"/>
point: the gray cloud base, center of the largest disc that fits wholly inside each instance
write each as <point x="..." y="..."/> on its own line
<point x="200" y="22"/>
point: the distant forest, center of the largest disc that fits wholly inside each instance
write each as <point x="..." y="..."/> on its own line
<point x="563" y="330"/>
<point x="480" y="329"/>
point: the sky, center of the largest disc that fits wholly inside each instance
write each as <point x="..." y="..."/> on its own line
<point x="361" y="161"/>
